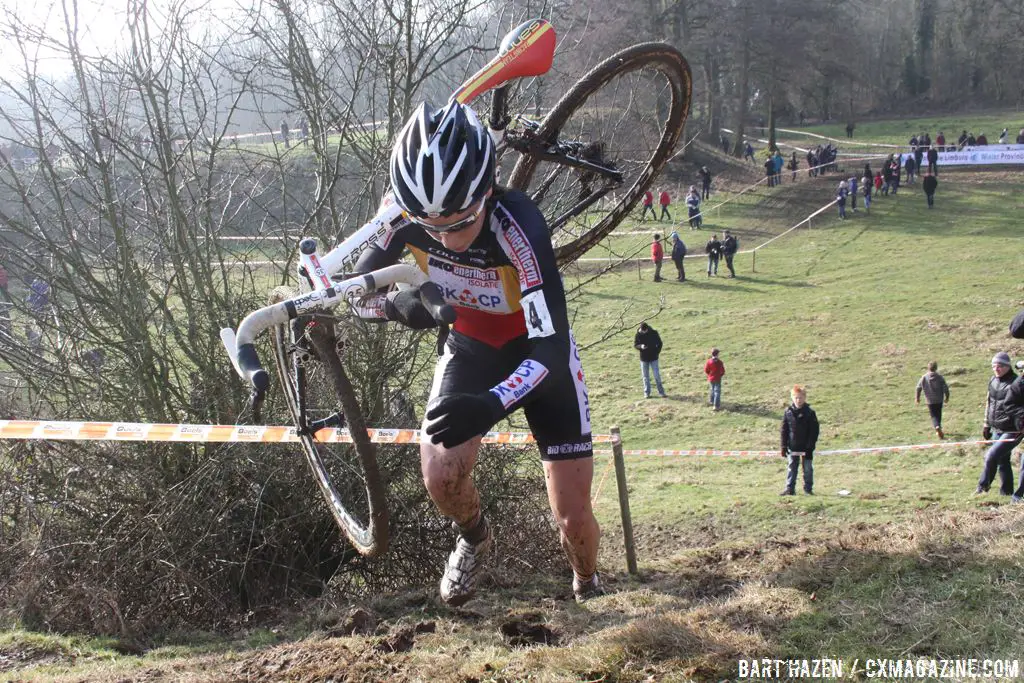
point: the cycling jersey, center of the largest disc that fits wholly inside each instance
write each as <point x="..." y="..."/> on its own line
<point x="511" y="315"/>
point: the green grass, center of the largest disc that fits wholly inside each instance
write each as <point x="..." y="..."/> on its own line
<point x="899" y="131"/>
<point x="852" y="310"/>
<point x="907" y="564"/>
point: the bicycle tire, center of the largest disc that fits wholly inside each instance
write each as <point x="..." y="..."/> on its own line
<point x="366" y="528"/>
<point x="659" y="57"/>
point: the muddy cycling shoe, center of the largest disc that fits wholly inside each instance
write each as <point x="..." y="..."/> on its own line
<point x="458" y="585"/>
<point x="587" y="590"/>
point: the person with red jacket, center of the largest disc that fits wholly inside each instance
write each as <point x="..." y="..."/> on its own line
<point x="714" y="368"/>
<point x="648" y="206"/>
<point x="664" y="200"/>
<point x="657" y="255"/>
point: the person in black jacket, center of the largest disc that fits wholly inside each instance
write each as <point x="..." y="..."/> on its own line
<point x="933" y="161"/>
<point x="729" y="247"/>
<point x="799" y="438"/>
<point x="929" y="184"/>
<point x="999" y="424"/>
<point x="648" y="342"/>
<point x="713" y="249"/>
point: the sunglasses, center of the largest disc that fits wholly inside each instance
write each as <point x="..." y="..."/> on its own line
<point x="458" y="225"/>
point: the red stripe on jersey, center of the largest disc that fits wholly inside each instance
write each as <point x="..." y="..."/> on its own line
<point x="490" y="328"/>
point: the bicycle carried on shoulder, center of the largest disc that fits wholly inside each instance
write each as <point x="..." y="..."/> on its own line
<point x="586" y="164"/>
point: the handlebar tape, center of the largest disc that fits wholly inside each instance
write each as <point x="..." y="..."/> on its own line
<point x="430" y="295"/>
<point x="249" y="364"/>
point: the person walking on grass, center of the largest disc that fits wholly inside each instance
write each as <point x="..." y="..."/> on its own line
<point x="867" y="185"/>
<point x="664" y="200"/>
<point x="936" y="392"/>
<point x="1000" y="427"/>
<point x="705" y="183"/>
<point x="657" y="256"/>
<point x="714" y="370"/>
<point x="678" y="254"/>
<point x="853" y="193"/>
<point x="648" y="206"/>
<point x="648" y="342"/>
<point x="799" y="437"/>
<point x="933" y="161"/>
<point x="928" y="184"/>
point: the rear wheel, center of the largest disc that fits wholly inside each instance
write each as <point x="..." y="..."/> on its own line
<point x="619" y="125"/>
<point x="320" y="395"/>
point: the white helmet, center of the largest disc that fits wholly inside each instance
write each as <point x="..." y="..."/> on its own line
<point x="442" y="162"/>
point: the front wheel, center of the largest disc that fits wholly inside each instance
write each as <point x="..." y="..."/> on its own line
<point x="320" y="395"/>
<point x="619" y="125"/>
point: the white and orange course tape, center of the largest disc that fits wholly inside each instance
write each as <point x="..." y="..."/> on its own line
<point x="142" y="431"/>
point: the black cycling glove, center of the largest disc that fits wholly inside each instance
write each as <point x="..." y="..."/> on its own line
<point x="404" y="306"/>
<point x="456" y="418"/>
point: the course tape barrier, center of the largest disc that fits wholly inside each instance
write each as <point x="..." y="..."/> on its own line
<point x="198" y="433"/>
<point x="840" y="451"/>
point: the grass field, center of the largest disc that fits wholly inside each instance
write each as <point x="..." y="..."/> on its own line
<point x="909" y="564"/>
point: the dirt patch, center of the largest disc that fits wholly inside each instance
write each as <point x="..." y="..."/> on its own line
<point x="527" y="629"/>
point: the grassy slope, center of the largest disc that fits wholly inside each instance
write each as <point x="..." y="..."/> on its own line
<point x="729" y="569"/>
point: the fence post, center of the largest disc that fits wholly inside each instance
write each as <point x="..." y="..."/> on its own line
<point x="753" y="267"/>
<point x="627" y="520"/>
<point x="638" y="275"/>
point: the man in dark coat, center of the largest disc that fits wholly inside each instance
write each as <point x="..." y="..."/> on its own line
<point x="929" y="183"/>
<point x="799" y="435"/>
<point x="648" y="342"/>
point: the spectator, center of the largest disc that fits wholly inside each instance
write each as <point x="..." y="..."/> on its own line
<point x="849" y="130"/>
<point x="878" y="182"/>
<point x="812" y="162"/>
<point x="793" y="166"/>
<point x="971" y="140"/>
<point x="918" y="158"/>
<point x="1020" y="137"/>
<point x="693" y="208"/>
<point x="852" y="191"/>
<point x="909" y="165"/>
<point x="866" y="185"/>
<point x="982" y="140"/>
<point x="284" y="134"/>
<point x="841" y="199"/>
<point x="748" y="151"/>
<point x="936" y="392"/>
<point x="999" y="424"/>
<point x="929" y="183"/>
<point x="933" y="161"/>
<point x="725" y="143"/>
<point x="1002" y="136"/>
<point x="799" y="437"/>
<point x="779" y="163"/>
<point x="657" y="255"/>
<point x="678" y="254"/>
<point x="961" y="141"/>
<point x="705" y="183"/>
<point x="714" y="369"/>
<point x="894" y="175"/>
<point x="769" y="170"/>
<point x="664" y="200"/>
<point x="940" y="140"/>
<point x="648" y="206"/>
<point x="713" y="249"/>
<point x="38" y="299"/>
<point x="1017" y="326"/>
<point x="730" y="245"/>
<point x="887" y="176"/>
<point x="648" y="342"/>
